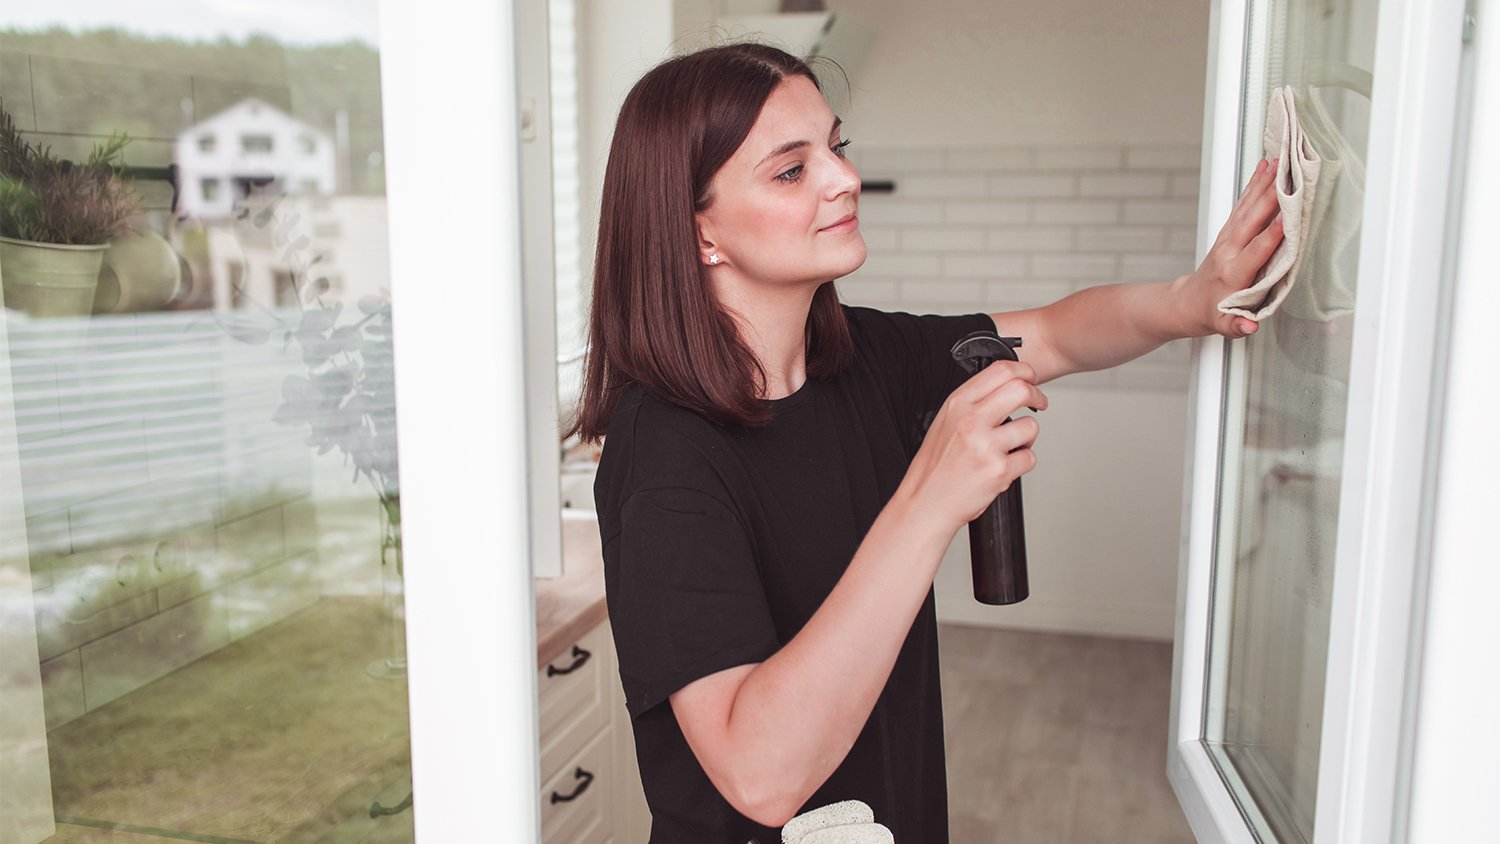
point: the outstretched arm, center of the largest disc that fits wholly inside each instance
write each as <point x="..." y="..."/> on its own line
<point x="1105" y="326"/>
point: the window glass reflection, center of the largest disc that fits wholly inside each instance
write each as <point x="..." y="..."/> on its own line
<point x="199" y="409"/>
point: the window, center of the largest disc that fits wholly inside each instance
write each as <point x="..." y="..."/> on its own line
<point x="256" y="143"/>
<point x="210" y="189"/>
<point x="208" y="143"/>
<point x="308" y="143"/>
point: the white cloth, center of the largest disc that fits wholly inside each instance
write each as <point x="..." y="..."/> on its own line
<point x="1296" y="190"/>
<point x="849" y="822"/>
<point x="1327" y="275"/>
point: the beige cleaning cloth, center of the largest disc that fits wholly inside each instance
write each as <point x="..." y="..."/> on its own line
<point x="1296" y="190"/>
<point x="1325" y="290"/>
<point x="849" y="822"/>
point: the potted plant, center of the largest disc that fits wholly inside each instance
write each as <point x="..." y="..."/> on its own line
<point x="56" y="220"/>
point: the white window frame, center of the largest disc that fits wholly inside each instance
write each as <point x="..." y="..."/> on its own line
<point x="1390" y="436"/>
<point x="449" y="81"/>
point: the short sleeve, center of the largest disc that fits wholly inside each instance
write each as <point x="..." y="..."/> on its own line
<point x="684" y="594"/>
<point x="912" y="356"/>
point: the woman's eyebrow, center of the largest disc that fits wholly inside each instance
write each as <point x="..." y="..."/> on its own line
<point x="795" y="145"/>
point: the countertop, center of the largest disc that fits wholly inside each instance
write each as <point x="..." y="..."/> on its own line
<point x="569" y="606"/>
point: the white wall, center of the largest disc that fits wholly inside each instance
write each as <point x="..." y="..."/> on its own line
<point x="978" y="72"/>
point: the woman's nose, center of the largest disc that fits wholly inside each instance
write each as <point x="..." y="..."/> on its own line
<point x="844" y="178"/>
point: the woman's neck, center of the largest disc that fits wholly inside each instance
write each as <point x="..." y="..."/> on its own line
<point x="773" y="323"/>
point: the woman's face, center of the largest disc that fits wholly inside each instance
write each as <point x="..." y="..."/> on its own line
<point x="783" y="206"/>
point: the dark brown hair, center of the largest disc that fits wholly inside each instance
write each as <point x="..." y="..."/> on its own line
<point x="654" y="318"/>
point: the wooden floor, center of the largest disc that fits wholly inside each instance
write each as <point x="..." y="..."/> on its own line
<point x="1056" y="739"/>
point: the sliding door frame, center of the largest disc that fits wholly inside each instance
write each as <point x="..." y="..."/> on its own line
<point x="452" y="134"/>
<point x="1391" y="434"/>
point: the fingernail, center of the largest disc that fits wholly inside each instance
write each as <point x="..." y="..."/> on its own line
<point x="1245" y="329"/>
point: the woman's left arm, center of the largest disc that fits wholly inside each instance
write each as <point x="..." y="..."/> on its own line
<point x="1108" y="325"/>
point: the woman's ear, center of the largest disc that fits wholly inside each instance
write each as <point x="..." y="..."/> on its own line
<point x="708" y="252"/>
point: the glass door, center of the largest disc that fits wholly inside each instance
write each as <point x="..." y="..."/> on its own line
<point x="1311" y="483"/>
<point x="204" y="617"/>
<point x="1286" y="399"/>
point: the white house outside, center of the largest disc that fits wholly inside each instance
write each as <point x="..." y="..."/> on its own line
<point x="251" y="146"/>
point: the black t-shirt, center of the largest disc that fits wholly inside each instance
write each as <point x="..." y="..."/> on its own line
<point x="720" y="543"/>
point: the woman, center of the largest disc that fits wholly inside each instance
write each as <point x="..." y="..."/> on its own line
<point x="781" y="474"/>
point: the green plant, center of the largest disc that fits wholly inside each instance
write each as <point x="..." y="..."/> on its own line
<point x="48" y="200"/>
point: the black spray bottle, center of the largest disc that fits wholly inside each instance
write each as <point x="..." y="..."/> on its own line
<point x="997" y="539"/>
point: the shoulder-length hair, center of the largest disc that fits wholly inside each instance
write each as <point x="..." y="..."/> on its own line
<point x="654" y="318"/>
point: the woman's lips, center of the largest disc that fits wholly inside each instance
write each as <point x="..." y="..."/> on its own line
<point x="848" y="224"/>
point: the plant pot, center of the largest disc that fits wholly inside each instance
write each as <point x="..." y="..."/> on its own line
<point x="49" y="279"/>
<point x="141" y="272"/>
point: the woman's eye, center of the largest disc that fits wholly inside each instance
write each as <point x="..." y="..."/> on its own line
<point x="791" y="175"/>
<point x="838" y="149"/>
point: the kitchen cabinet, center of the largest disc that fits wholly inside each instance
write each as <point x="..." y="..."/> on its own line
<point x="591" y="787"/>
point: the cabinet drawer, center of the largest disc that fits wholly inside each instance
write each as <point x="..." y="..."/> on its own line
<point x="573" y="701"/>
<point x="576" y="801"/>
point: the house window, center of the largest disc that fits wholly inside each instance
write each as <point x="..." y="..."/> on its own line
<point x="207" y="143"/>
<point x="255" y="143"/>
<point x="210" y="189"/>
<point x="308" y="143"/>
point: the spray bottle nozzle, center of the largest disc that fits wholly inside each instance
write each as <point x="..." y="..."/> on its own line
<point x="981" y="348"/>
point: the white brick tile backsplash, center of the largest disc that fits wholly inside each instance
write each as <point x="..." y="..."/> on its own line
<point x="1007" y="228"/>
<point x="1166" y="379"/>
<point x="858" y="290"/>
<point x="991" y="158"/>
<point x="1080" y="158"/>
<point x="942" y="240"/>
<point x="987" y="212"/>
<point x="1170" y="212"/>
<point x="880" y="237"/>
<point x="1097" y="268"/>
<point x="1183" y="240"/>
<point x="942" y="187"/>
<point x="1123" y="185"/>
<point x="1031" y="238"/>
<point x="1076" y="212"/>
<point x="1154" y="267"/>
<point x="1162" y="157"/>
<point x="884" y="161"/>
<point x="899" y="266"/>
<point x="986" y="266"/>
<point x="1121" y="239"/>
<point x="1018" y="294"/>
<point x="1033" y="186"/>
<point x="962" y="292"/>
<point x="888" y="211"/>
<point x="1185" y="185"/>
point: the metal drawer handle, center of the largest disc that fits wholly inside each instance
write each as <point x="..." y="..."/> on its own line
<point x="580" y="774"/>
<point x="580" y="656"/>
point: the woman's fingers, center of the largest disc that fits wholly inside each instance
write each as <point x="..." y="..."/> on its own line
<point x="1009" y="398"/>
<point x="1259" y="250"/>
<point x="995" y="376"/>
<point x="1256" y="205"/>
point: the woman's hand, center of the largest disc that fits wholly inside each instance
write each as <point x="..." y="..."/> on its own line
<point x="970" y="453"/>
<point x="1243" y="246"/>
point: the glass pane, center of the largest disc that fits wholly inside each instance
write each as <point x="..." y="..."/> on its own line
<point x="1283" y="443"/>
<point x="202" y="620"/>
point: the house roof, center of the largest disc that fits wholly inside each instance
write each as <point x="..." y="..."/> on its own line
<point x="251" y="104"/>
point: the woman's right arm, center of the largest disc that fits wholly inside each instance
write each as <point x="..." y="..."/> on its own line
<point x="769" y="734"/>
